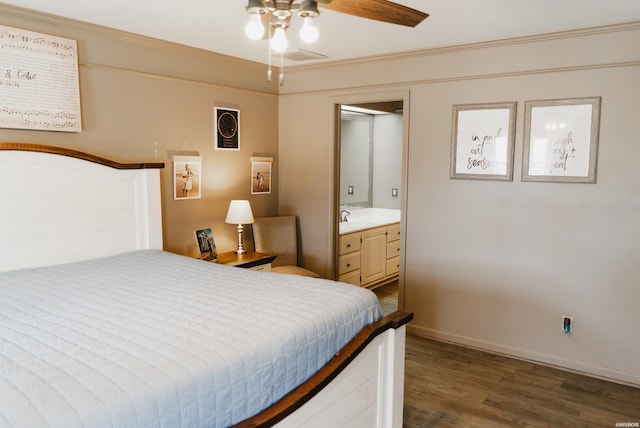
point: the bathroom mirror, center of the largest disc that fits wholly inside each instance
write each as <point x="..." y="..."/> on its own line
<point x="371" y="155"/>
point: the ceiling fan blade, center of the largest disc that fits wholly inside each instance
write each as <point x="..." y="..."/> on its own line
<point x="379" y="10"/>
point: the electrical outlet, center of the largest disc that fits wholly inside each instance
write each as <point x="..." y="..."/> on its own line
<point x="567" y="324"/>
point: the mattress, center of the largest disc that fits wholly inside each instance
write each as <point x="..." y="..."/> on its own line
<point x="150" y="338"/>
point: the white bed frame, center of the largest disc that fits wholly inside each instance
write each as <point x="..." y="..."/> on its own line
<point x="60" y="205"/>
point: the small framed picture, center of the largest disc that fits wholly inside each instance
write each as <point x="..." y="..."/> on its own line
<point x="261" y="175"/>
<point x="187" y="177"/>
<point x="206" y="244"/>
<point x="483" y="138"/>
<point x="561" y="140"/>
<point x="227" y="128"/>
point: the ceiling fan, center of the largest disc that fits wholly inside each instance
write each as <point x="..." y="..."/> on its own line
<point x="275" y="15"/>
<point x="378" y="10"/>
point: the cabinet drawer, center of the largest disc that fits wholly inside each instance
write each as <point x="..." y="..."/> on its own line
<point x="348" y="263"/>
<point x="393" y="249"/>
<point x="393" y="232"/>
<point x="393" y="266"/>
<point x="349" y="243"/>
<point x="350" y="278"/>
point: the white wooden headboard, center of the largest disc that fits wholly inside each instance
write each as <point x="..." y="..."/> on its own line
<point x="60" y="205"/>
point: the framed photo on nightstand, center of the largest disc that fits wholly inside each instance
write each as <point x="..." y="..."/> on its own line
<point x="206" y="244"/>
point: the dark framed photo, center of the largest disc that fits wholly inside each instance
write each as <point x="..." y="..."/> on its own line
<point x="206" y="244"/>
<point x="227" y="128"/>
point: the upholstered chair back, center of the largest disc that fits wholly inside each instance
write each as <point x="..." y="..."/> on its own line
<point x="279" y="236"/>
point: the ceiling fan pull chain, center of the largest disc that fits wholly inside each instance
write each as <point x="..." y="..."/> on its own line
<point x="269" y="72"/>
<point x="281" y="68"/>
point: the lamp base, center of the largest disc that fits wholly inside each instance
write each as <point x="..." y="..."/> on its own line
<point x="240" y="249"/>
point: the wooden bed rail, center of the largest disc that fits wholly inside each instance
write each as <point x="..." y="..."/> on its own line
<point x="305" y="392"/>
<point x="78" y="155"/>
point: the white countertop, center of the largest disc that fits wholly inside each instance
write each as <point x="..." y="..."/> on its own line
<point x="368" y="218"/>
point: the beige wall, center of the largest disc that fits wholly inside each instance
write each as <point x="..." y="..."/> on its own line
<point x="495" y="265"/>
<point x="136" y="91"/>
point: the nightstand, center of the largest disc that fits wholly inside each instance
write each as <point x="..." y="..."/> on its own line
<point x="249" y="260"/>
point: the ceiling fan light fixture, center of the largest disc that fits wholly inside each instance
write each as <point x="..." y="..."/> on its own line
<point x="254" y="28"/>
<point x="282" y="9"/>
<point x="276" y="15"/>
<point x="279" y="40"/>
<point x="309" y="8"/>
<point x="256" y="6"/>
<point x="309" y="32"/>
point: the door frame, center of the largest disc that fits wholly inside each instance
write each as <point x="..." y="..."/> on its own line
<point x="360" y="98"/>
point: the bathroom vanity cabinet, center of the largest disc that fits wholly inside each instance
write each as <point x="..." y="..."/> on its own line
<point x="370" y="257"/>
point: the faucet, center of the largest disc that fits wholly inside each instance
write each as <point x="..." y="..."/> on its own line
<point x="343" y="215"/>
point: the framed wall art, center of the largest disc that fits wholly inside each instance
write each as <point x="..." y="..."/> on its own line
<point x="187" y="177"/>
<point x="561" y="140"/>
<point x="261" y="175"/>
<point x="39" y="81"/>
<point x="227" y="128"/>
<point x="483" y="138"/>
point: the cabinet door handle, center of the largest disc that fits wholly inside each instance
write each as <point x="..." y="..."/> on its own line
<point x="348" y="264"/>
<point x="348" y="245"/>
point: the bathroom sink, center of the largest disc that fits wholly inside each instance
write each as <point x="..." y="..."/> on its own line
<point x="369" y="218"/>
<point x="353" y="226"/>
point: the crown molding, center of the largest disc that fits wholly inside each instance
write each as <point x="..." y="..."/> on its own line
<point x="558" y="35"/>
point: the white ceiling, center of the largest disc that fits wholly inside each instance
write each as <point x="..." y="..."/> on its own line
<point x="218" y="25"/>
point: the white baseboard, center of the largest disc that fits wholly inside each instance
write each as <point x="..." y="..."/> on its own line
<point x="527" y="355"/>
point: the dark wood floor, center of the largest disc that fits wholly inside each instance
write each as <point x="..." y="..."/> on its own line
<point x="452" y="386"/>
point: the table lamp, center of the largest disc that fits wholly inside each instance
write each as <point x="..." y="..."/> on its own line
<point x="239" y="213"/>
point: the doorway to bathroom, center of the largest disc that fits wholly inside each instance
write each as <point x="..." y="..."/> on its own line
<point x="371" y="139"/>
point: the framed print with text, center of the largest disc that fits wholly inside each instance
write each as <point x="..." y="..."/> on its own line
<point x="561" y="140"/>
<point x="483" y="138"/>
<point x="39" y="81"/>
<point x="227" y="128"/>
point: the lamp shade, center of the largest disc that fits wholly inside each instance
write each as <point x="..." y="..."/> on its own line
<point x="239" y="213"/>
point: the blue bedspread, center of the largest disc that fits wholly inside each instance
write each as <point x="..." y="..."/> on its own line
<point x="151" y="338"/>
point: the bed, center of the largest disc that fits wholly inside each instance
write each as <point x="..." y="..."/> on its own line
<point x="101" y="327"/>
